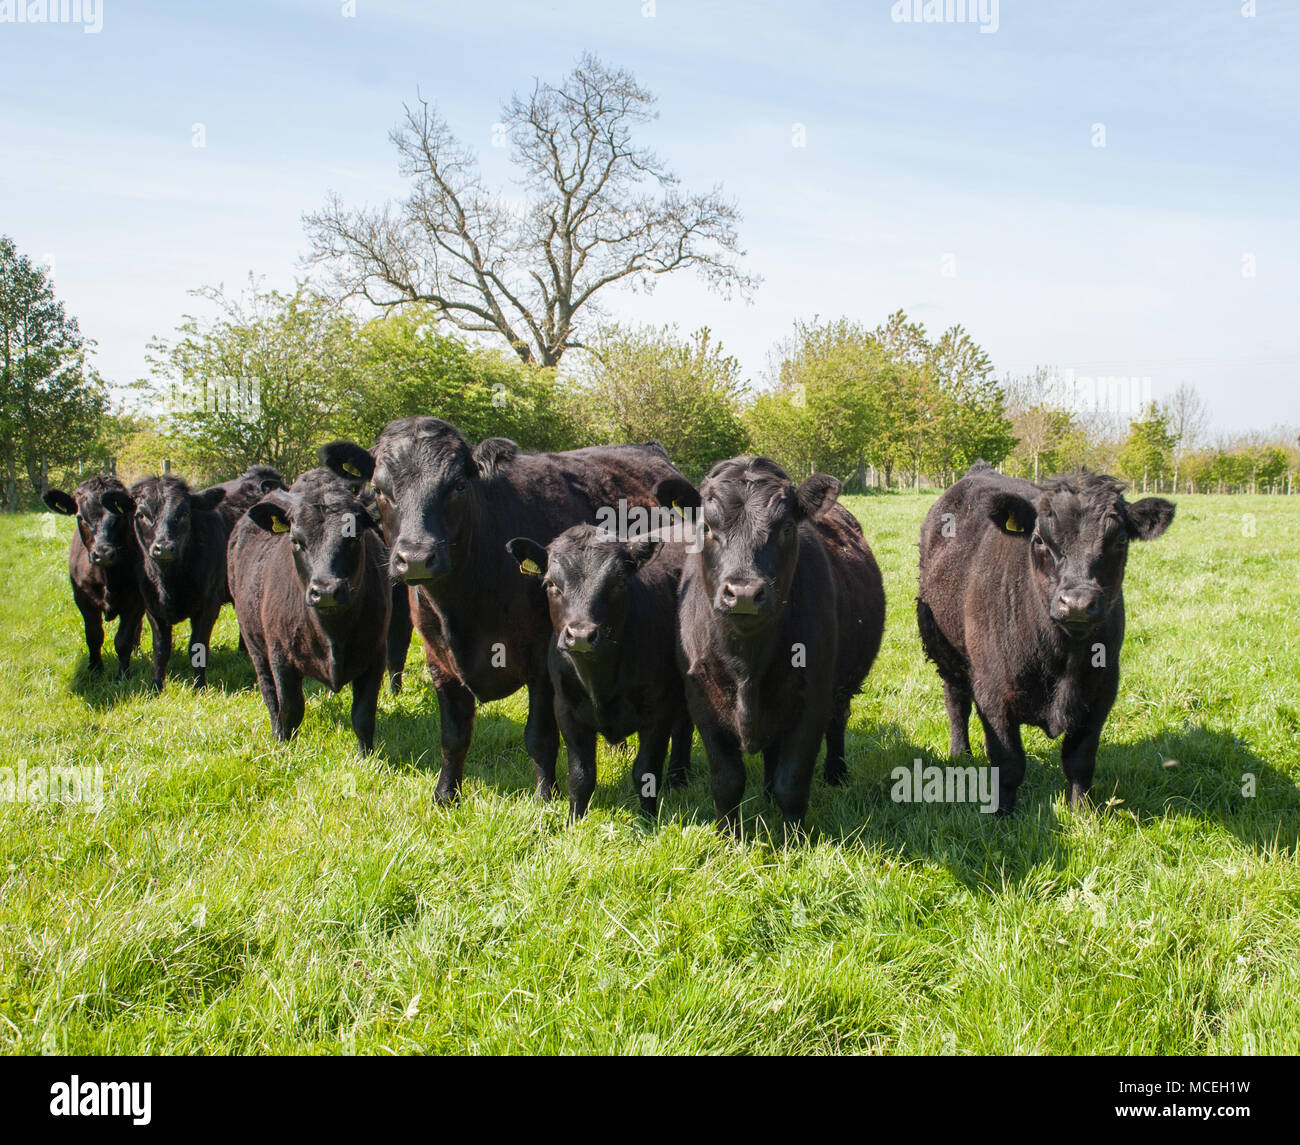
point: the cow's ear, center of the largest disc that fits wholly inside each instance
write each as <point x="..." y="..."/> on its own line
<point x="637" y="552"/>
<point x="118" y="502"/>
<point x="1150" y="517"/>
<point x="60" y="502"/>
<point x="493" y="454"/>
<point x="677" y="493"/>
<point x="1012" y="514"/>
<point x="208" y="498"/>
<point x="370" y="517"/>
<point x="274" y="513"/>
<point x="815" y="497"/>
<point x="348" y="460"/>
<point x="529" y="555"/>
<point x="269" y="485"/>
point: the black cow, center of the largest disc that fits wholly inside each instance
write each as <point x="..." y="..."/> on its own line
<point x="613" y="606"/>
<point x="448" y="510"/>
<point x="243" y="492"/>
<point x="309" y="576"/>
<point x="182" y="570"/>
<point x="780" y="616"/>
<point x="1021" y="608"/>
<point x="102" y="564"/>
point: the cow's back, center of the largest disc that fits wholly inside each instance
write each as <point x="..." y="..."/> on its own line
<point x="859" y="598"/>
<point x="550" y="492"/>
<point x="966" y="562"/>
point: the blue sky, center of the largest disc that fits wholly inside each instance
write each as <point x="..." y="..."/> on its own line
<point x="928" y="146"/>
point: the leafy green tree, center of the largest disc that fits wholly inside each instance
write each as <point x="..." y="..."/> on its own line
<point x="967" y="407"/>
<point x="263" y="381"/>
<point x="846" y="397"/>
<point x="51" y="398"/>
<point x="648" y="384"/>
<point x="825" y="410"/>
<point x="1147" y="454"/>
<point x="412" y="366"/>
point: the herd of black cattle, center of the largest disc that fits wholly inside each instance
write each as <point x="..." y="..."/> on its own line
<point x="749" y="608"/>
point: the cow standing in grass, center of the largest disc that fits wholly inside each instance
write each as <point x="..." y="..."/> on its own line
<point x="102" y="565"/>
<point x="780" y="616"/>
<point x="309" y="576"/>
<point x="448" y="509"/>
<point x="613" y="606"/>
<point x="1021" y="608"/>
<point x="182" y="570"/>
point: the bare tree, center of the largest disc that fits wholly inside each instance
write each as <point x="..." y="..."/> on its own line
<point x="597" y="210"/>
<point x="1188" y="418"/>
<point x="1036" y="407"/>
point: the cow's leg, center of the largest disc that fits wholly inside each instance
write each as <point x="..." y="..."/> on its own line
<point x="797" y="761"/>
<point x="1006" y="753"/>
<point x="201" y="638"/>
<point x="726" y="774"/>
<point x="125" y="640"/>
<point x="1079" y="758"/>
<point x="162" y="650"/>
<point x="648" y="769"/>
<point x="957" y="700"/>
<point x="288" y="687"/>
<point x="836" y="768"/>
<point x="265" y="683"/>
<point x="580" y="758"/>
<point x="679" y="762"/>
<point x="456" y="717"/>
<point x="771" y="761"/>
<point x="93" y="621"/>
<point x="542" y="735"/>
<point x="400" y="627"/>
<point x="365" y="703"/>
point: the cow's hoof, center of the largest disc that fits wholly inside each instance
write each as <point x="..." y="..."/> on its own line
<point x="835" y="776"/>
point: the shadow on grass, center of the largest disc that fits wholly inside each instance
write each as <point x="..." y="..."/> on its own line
<point x="229" y="670"/>
<point x="1206" y="774"/>
<point x="1193" y="771"/>
<point x="1212" y="778"/>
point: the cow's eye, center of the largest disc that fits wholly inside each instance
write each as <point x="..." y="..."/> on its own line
<point x="787" y="530"/>
<point x="295" y="544"/>
<point x="459" y="487"/>
<point x="144" y="519"/>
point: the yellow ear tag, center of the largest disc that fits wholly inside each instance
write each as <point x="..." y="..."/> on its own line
<point x="278" y="525"/>
<point x="530" y="566"/>
<point x="1013" y="526"/>
<point x="677" y="505"/>
<point x="348" y="467"/>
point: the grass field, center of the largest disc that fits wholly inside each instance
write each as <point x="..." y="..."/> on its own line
<point x="235" y="896"/>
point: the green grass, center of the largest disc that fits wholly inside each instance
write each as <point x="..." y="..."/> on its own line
<point x="235" y="896"/>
